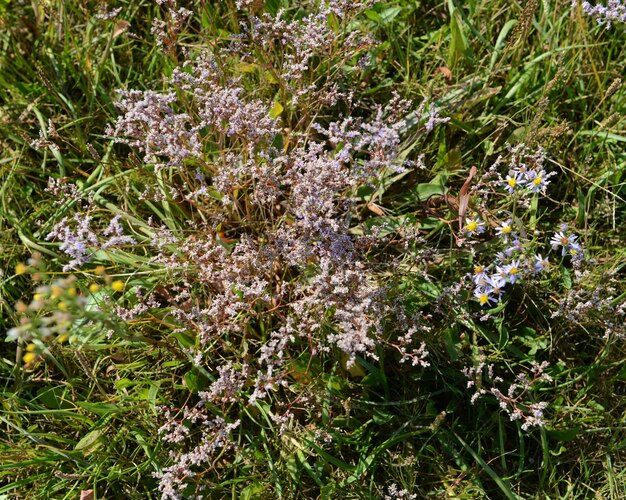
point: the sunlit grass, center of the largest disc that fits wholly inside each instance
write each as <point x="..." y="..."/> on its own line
<point x="96" y="351"/>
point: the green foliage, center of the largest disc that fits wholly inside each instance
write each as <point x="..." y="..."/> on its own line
<point x="80" y="409"/>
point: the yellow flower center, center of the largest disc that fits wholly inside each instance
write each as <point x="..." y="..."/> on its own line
<point x="564" y="241"/>
<point x="537" y="180"/>
<point x="512" y="182"/>
<point x="506" y="229"/>
<point x="483" y="299"/>
<point x="472" y="226"/>
<point x="478" y="269"/>
<point x="513" y="270"/>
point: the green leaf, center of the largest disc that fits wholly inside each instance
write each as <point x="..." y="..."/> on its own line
<point x="504" y="335"/>
<point x="152" y="393"/>
<point x="99" y="408"/>
<point x="381" y="417"/>
<point x="559" y="452"/>
<point x="373" y="15"/>
<point x="453" y="344"/>
<point x="252" y="491"/>
<point x="426" y="190"/>
<point x="192" y="381"/>
<point x="389" y="14"/>
<point x="186" y="341"/>
<point x="458" y="43"/>
<point x="567" y="277"/>
<point x="563" y="434"/>
<point x="197" y="379"/>
<point x="54" y="398"/>
<point x="328" y="491"/>
<point x="89" y="440"/>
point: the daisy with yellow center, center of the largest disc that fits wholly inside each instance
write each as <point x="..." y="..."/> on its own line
<point x="484" y="296"/>
<point x="512" y="271"/>
<point x="513" y="180"/>
<point x="474" y="226"/>
<point x="537" y="181"/>
<point x="505" y="229"/>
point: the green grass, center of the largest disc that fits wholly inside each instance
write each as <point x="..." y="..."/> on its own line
<point x="86" y="414"/>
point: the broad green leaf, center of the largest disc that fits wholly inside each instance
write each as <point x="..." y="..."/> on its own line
<point x="426" y="190"/>
<point x="89" y="440"/>
<point x="389" y="14"/>
<point x="567" y="277"/>
<point x="252" y="491"/>
<point x="99" y="408"/>
<point x="54" y="397"/>
<point x="458" y="44"/>
<point x="373" y="15"/>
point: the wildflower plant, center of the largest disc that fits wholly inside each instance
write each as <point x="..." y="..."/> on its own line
<point x="284" y="278"/>
<point x="510" y="203"/>
<point x="604" y="13"/>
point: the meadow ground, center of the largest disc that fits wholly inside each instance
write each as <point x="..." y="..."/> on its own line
<point x="270" y="249"/>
